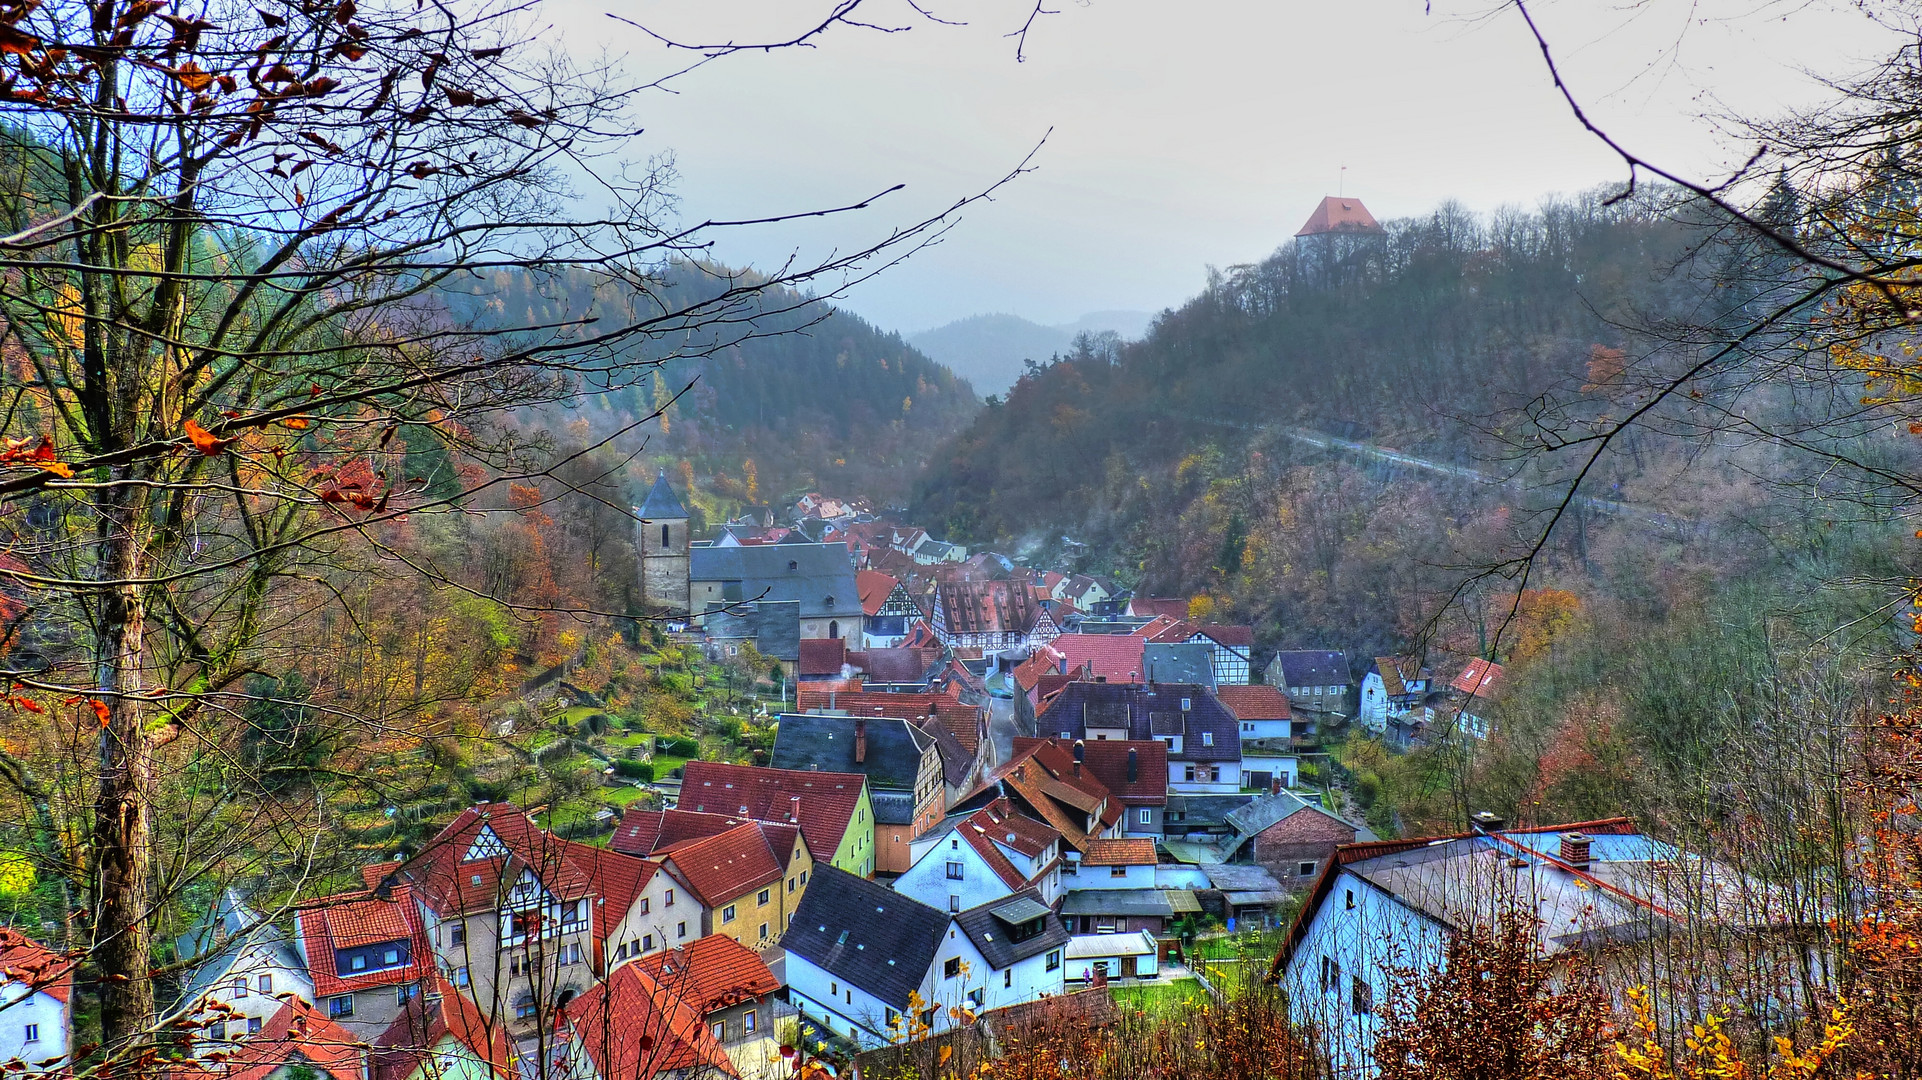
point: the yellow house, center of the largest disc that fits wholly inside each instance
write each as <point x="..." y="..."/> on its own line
<point x="748" y="879"/>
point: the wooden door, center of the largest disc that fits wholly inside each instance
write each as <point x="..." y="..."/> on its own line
<point x="1127" y="967"/>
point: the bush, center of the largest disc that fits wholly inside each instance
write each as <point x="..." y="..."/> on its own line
<point x="680" y="747"/>
<point x="636" y="770"/>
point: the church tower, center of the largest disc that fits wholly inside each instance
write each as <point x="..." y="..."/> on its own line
<point x="1342" y="244"/>
<point x="663" y="547"/>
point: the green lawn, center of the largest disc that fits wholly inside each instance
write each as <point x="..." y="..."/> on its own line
<point x="1158" y="997"/>
<point x="621" y="796"/>
<point x="1231" y="946"/>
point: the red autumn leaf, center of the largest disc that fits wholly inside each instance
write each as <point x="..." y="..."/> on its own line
<point x="28" y="704"/>
<point x="204" y="440"/>
<point x="100" y="710"/>
<point x="298" y="423"/>
<point x="190" y="76"/>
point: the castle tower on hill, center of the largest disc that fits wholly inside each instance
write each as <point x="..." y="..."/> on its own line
<point x="663" y="547"/>
<point x="1341" y="243"/>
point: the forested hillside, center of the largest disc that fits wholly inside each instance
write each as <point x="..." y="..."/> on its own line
<point x="797" y="394"/>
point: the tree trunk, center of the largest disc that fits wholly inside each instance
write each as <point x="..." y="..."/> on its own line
<point x="122" y="840"/>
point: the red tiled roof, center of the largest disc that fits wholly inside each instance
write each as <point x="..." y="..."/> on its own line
<point x="1107" y="761"/>
<point x="822" y="656"/>
<point x="357" y="919"/>
<point x="1478" y="678"/>
<point x="644" y="832"/>
<point x="828" y="799"/>
<point x="1043" y="775"/>
<point x="1172" y="606"/>
<point x="874" y="587"/>
<point x="618" y="879"/>
<point x="1235" y="637"/>
<point x="411" y="1038"/>
<point x="865" y="703"/>
<point x="963" y="722"/>
<point x="1339" y="214"/>
<point x="1257" y="702"/>
<point x="1050" y="683"/>
<point x="712" y="973"/>
<point x="1004" y="824"/>
<point x="371" y="875"/>
<point x="635" y="1029"/>
<point x="1046" y="660"/>
<point x="33" y="965"/>
<point x="1162" y="628"/>
<point x="988" y="607"/>
<point x="724" y="867"/>
<point x="295" y="1031"/>
<point x="451" y="884"/>
<point x="1114" y="657"/>
<point x="1129" y="851"/>
<point x="900" y="665"/>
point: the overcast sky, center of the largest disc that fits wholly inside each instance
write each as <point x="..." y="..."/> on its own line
<point x="1183" y="134"/>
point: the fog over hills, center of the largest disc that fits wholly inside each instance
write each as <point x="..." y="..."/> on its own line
<point x="988" y="350"/>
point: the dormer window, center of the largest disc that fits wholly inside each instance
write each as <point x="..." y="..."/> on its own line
<point x="1186" y="704"/>
<point x="1207" y="738"/>
<point x="792" y="566"/>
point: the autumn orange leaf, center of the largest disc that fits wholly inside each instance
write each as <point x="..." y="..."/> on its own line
<point x="100" y="709"/>
<point x="298" y="423"/>
<point x="204" y="440"/>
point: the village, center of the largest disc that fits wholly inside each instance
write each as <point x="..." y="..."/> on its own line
<point x="992" y="789"/>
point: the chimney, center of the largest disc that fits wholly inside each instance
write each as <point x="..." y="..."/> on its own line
<point x="1080" y="752"/>
<point x="1487" y="821"/>
<point x="1575" y="850"/>
<point x="860" y="742"/>
<point x="1134" y="765"/>
<point x="794" y="809"/>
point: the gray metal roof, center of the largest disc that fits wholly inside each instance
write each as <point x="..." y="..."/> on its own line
<point x="1237" y="877"/>
<point x="819" y="576"/>
<point x="1021" y="909"/>
<point x="1258" y="814"/>
<point x="865" y="934"/>
<point x="661" y="502"/>
<point x="1254" y="899"/>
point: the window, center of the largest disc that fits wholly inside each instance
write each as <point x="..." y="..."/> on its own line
<point x="954" y="902"/>
<point x="834" y="627"/>
<point x="761" y="899"/>
<point x="1189" y="773"/>
<point x="834" y="989"/>
<point x="1330" y="974"/>
<point x="240" y="987"/>
<point x="402" y="994"/>
<point x="1186" y="704"/>
<point x="647" y="942"/>
<point x="747" y="1021"/>
<point x="680" y="930"/>
<point x="1054" y="960"/>
<point x="720" y="1032"/>
<point x="1350" y="898"/>
<point x="804" y="877"/>
<point x="265" y="984"/>
<point x="389" y="957"/>
<point x="33" y="1032"/>
<point x="524" y="1009"/>
<point x="644" y="903"/>
<point x="952" y="968"/>
<point x="727" y="914"/>
<point x="977" y="996"/>
<point x="358" y="963"/>
<point x="954" y="844"/>
<point x="457" y="934"/>
<point x="954" y="871"/>
<point x="1362" y="996"/>
<point x="1207" y="738"/>
<point x="1007" y="979"/>
<point x="790" y="884"/>
<point x="663" y="536"/>
<point x="571" y="954"/>
<point x="461" y="978"/>
<point x="763" y="931"/>
<point x="340" y="1006"/>
<point x="217" y="1032"/>
<point x="1117" y="871"/>
<point x="1145" y="816"/>
<point x="669" y="902"/>
<point x="1306" y="869"/>
<point x="574" y="915"/>
<point x="253" y="1025"/>
<point x="515" y="965"/>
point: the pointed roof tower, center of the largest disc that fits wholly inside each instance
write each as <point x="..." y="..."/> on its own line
<point x="661" y="502"/>
<point x="1337" y="214"/>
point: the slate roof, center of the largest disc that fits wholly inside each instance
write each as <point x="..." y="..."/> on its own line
<point x="865" y="934"/>
<point x="1239" y="877"/>
<point x="1183" y="662"/>
<point x="1314" y="667"/>
<point x="712" y="973"/>
<point x="900" y="665"/>
<point x="605" y="1018"/>
<point x="1114" y="657"/>
<point x="892" y="807"/>
<point x="1147" y="712"/>
<point x="1265" y="810"/>
<point x="827" y="799"/>
<point x="661" y="502"/>
<point x="1340" y="214"/>
<point x="991" y="925"/>
<point x="1203" y="811"/>
<point x="819" y="576"/>
<point x="216" y="942"/>
<point x="821" y="743"/>
<point x="729" y="865"/>
<point x="1257" y="702"/>
<point x="773" y="625"/>
<point x="33" y="965"/>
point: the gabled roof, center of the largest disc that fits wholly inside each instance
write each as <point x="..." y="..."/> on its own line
<point x="1241" y="638"/>
<point x="1107" y="761"/>
<point x="28" y="963"/>
<point x="618" y="879"/>
<point x="504" y="846"/>
<point x="295" y="1032"/>
<point x="352" y="920"/>
<point x="1114" y="657"/>
<point x="729" y="865"/>
<point x="1127" y="851"/>
<point x="1396" y="672"/>
<point x="1256" y="702"/>
<point x="428" y="1018"/>
<point x="661" y="503"/>
<point x="818" y="576"/>
<point x="1172" y="606"/>
<point x="644" y="832"/>
<point x="633" y="1028"/>
<point x="1001" y="823"/>
<point x="1343" y="215"/>
<point x="988" y="607"/>
<point x="900" y="665"/>
<point x="712" y="973"/>
<point x="865" y="934"/>
<point x="992" y="926"/>
<point x="963" y="722"/>
<point x="1045" y="659"/>
<point x="1043" y="777"/>
<point x="822" y="656"/>
<point x="214" y="944"/>
<point x="820" y="743"/>
<point x="1178" y="662"/>
<point x="1146" y="712"/>
<point x="827" y="799"/>
<point x="1314" y="667"/>
<point x="874" y="588"/>
<point x="1479" y="677"/>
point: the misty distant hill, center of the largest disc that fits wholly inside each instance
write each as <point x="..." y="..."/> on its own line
<point x="988" y="350"/>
